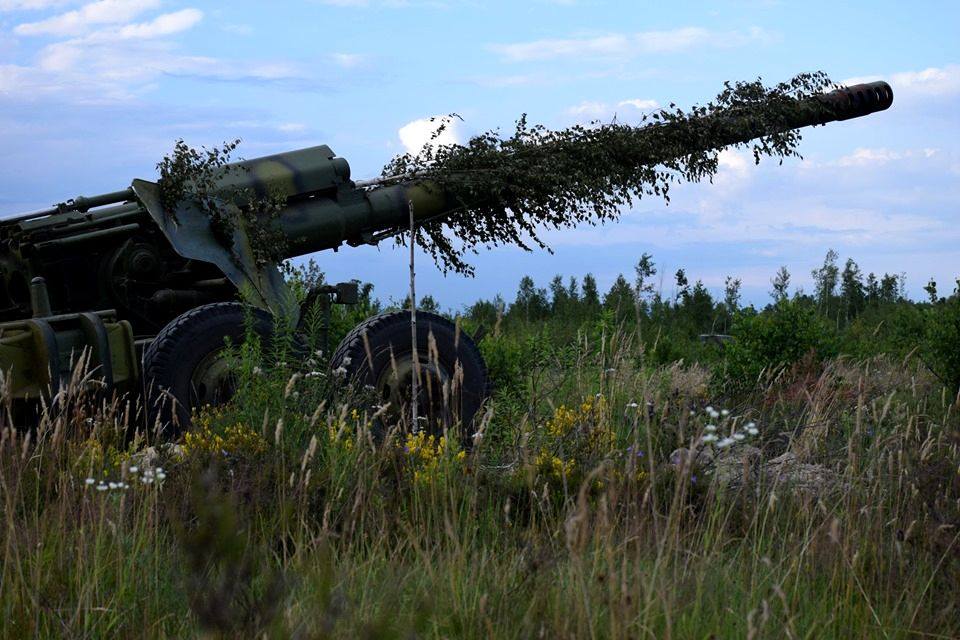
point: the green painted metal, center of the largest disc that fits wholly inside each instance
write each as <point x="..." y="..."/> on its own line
<point x="38" y="354"/>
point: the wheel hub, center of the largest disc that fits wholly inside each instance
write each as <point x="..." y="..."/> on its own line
<point x="213" y="381"/>
<point x="395" y="386"/>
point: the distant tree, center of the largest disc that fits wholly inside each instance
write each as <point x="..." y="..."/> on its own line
<point x="620" y="298"/>
<point x="683" y="285"/>
<point x="644" y="271"/>
<point x="559" y="297"/>
<point x="872" y="289"/>
<point x="931" y="289"/>
<point x="590" y="296"/>
<point x="573" y="290"/>
<point x="424" y="303"/>
<point x="825" y="281"/>
<point x="851" y="289"/>
<point x="731" y="294"/>
<point x="487" y="313"/>
<point x="427" y="303"/>
<point x="531" y="301"/>
<point x="643" y="281"/>
<point x="889" y="288"/>
<point x="698" y="306"/>
<point x="780" y="283"/>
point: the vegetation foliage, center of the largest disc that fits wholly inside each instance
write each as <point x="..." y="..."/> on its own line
<point x="191" y="177"/>
<point x="511" y="187"/>
<point x="574" y="512"/>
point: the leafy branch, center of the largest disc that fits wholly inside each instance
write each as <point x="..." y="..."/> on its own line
<point x="511" y="188"/>
<point x="197" y="176"/>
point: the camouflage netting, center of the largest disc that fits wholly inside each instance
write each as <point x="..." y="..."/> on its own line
<point x="512" y="188"/>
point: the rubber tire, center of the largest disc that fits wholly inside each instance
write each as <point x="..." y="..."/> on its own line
<point x="392" y="331"/>
<point x="171" y="359"/>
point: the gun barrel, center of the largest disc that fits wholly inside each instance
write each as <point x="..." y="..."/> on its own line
<point x="858" y="100"/>
<point x="80" y="204"/>
<point x="389" y="197"/>
<point x="845" y="103"/>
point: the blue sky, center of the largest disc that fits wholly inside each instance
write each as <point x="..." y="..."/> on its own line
<point x="92" y="94"/>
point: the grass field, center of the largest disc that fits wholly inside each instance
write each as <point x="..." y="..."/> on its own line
<point x="572" y="515"/>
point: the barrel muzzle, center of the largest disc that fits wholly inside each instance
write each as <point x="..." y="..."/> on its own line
<point x="859" y="100"/>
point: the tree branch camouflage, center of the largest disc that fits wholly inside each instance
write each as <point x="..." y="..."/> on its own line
<point x="511" y="188"/>
<point x="197" y="175"/>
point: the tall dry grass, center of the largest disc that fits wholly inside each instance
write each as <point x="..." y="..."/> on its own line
<point x="283" y="516"/>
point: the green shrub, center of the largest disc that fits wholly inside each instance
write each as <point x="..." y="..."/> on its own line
<point x="889" y="329"/>
<point x="941" y="345"/>
<point x="778" y="337"/>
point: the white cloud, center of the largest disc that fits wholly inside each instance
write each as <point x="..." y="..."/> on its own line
<point x="591" y="110"/>
<point x="163" y="25"/>
<point x="734" y="170"/>
<point x="620" y="45"/>
<point x="417" y="134"/>
<point x="392" y="4"/>
<point x="30" y="5"/>
<point x="864" y="156"/>
<point x="80" y="21"/>
<point x="641" y="105"/>
<point x="348" y="60"/>
<point x="117" y="59"/>
<point x="932" y="81"/>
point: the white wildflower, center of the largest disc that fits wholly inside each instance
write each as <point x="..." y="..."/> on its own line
<point x="146" y="480"/>
<point x="710" y="437"/>
<point x="753" y="431"/>
<point x="102" y="486"/>
<point x="133" y="469"/>
<point x="340" y="371"/>
<point x="257" y="371"/>
<point x="113" y="485"/>
<point x="710" y="428"/>
<point x="632" y="405"/>
<point x="347" y="360"/>
<point x="709" y="409"/>
<point x="739" y="436"/>
<point x="724" y="412"/>
<point x="726" y="442"/>
<point x="89" y="481"/>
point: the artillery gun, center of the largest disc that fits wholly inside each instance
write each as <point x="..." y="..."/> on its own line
<point x="150" y="291"/>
